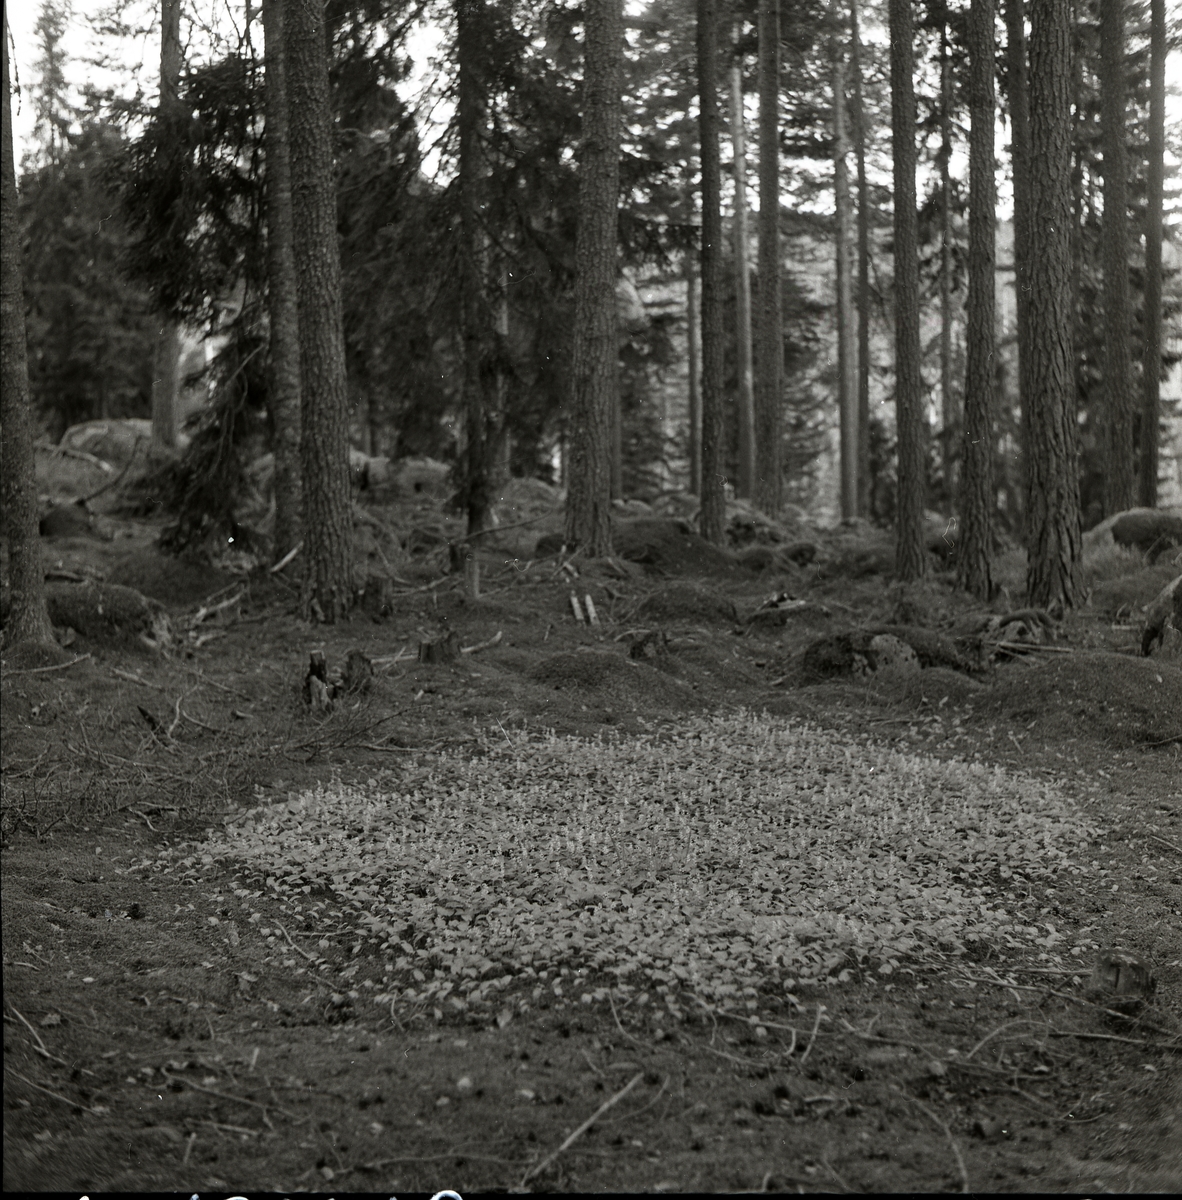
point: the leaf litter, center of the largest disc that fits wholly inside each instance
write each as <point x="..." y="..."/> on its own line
<point x="737" y="855"/>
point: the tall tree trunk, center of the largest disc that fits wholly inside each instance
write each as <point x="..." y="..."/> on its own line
<point x="1053" y="540"/>
<point x="1020" y="160"/>
<point x="746" y="404"/>
<point x="28" y="619"/>
<point x="596" y="351"/>
<point x="324" y="423"/>
<point x="166" y="371"/>
<point x="863" y="290"/>
<point x="948" y="414"/>
<point x="769" y="361"/>
<point x="1151" y="356"/>
<point x="976" y="493"/>
<point x="712" y="521"/>
<point x="283" y="366"/>
<point x="473" y="282"/>
<point x="847" y="365"/>
<point x="695" y="367"/>
<point x="910" y="557"/>
<point x="1120" y="474"/>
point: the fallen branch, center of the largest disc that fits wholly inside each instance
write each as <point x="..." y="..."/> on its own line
<point x="135" y="679"/>
<point x="492" y="641"/>
<point x="96" y="1112"/>
<point x="1165" y="842"/>
<point x="536" y="1170"/>
<point x="964" y="1175"/>
<point x="310" y="957"/>
<point x="286" y="558"/>
<point x="204" y="613"/>
<point x="41" y="670"/>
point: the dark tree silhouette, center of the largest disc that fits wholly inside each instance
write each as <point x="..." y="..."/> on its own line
<point x="976" y="492"/>
<point x="910" y="556"/>
<point x="713" y="514"/>
<point x="595" y="351"/>
<point x="1053" y="538"/>
<point x="1151" y="356"/>
<point x="324" y="427"/>
<point x="284" y="360"/>
<point x="28" y="619"/>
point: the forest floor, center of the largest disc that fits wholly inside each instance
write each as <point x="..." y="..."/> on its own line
<point x="248" y="945"/>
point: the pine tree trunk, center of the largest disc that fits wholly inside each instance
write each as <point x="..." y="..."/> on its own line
<point x="473" y="283"/>
<point x="695" y="368"/>
<point x="1020" y="160"/>
<point x="1053" y="537"/>
<point x="595" y="352"/>
<point x="324" y="426"/>
<point x="1120" y="474"/>
<point x="769" y="357"/>
<point x="166" y="372"/>
<point x="948" y="414"/>
<point x="746" y="400"/>
<point x="283" y="366"/>
<point x="976" y="492"/>
<point x="1151" y="358"/>
<point x="847" y="366"/>
<point x="910" y="558"/>
<point x="863" y="288"/>
<point x="28" y="619"/>
<point x="712" y="521"/>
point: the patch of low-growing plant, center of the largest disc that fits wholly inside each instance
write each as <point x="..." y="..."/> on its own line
<point x="737" y="853"/>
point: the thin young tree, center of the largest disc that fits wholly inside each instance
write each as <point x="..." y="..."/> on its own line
<point x="324" y="424"/>
<point x="475" y="317"/>
<point x="976" y="498"/>
<point x="769" y="363"/>
<point x="1016" y="79"/>
<point x="283" y="364"/>
<point x="595" y="349"/>
<point x="1053" y="537"/>
<point x="166" y="373"/>
<point x="1119" y="393"/>
<point x="712" y="521"/>
<point x="863" y="285"/>
<point x="948" y="414"/>
<point x="28" y="618"/>
<point x="910" y="557"/>
<point x="1151" y="354"/>
<point x="695" y="369"/>
<point x="847" y="365"/>
<point x="745" y="397"/>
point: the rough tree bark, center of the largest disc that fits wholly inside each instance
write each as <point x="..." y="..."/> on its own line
<point x="695" y="367"/>
<point x="948" y="415"/>
<point x="1119" y="401"/>
<point x="324" y="425"/>
<point x="475" y="316"/>
<point x="1053" y="539"/>
<point x="283" y="365"/>
<point x="910" y="556"/>
<point x="863" y="289"/>
<point x="712" y="521"/>
<point x="28" y="619"/>
<point x="1020" y="160"/>
<point x="769" y="358"/>
<point x="1151" y="355"/>
<point x="595" y="351"/>
<point x="746" y="399"/>
<point x="847" y="365"/>
<point x="166" y="367"/>
<point x="976" y="494"/>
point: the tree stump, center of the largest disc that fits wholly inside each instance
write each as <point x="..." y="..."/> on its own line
<point x="443" y="650"/>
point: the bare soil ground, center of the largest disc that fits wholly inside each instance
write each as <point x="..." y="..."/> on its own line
<point x="182" y="1026"/>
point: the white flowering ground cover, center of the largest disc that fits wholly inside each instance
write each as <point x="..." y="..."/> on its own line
<point x="741" y="853"/>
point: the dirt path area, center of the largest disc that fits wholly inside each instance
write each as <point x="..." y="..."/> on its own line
<point x="249" y="945"/>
